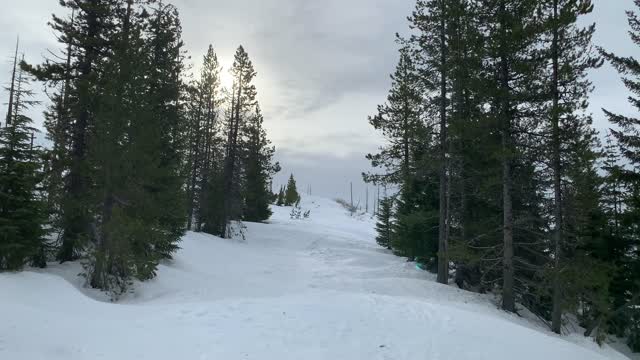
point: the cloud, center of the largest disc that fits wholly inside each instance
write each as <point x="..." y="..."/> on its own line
<point x="323" y="66"/>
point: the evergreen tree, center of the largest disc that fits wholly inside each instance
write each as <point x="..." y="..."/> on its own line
<point x="280" y="200"/>
<point x="291" y="195"/>
<point x="405" y="161"/>
<point x="431" y="18"/>
<point x="415" y="234"/>
<point x="503" y="161"/>
<point x="259" y="170"/>
<point x="570" y="57"/>
<point x="90" y="30"/>
<point x="586" y="271"/>
<point x="167" y="114"/>
<point x="616" y="249"/>
<point x="22" y="210"/>
<point x="121" y="94"/>
<point x="58" y="132"/>
<point x="468" y="202"/>
<point x="192" y="165"/>
<point x="205" y="146"/>
<point x="625" y="312"/>
<point x="134" y="150"/>
<point x="512" y="35"/>
<point x="384" y="226"/>
<point x="243" y="102"/>
<point x="400" y="122"/>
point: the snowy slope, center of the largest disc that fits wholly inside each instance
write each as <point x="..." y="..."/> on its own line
<point x="295" y="289"/>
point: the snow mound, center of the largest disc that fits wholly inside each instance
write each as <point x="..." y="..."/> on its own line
<point x="317" y="288"/>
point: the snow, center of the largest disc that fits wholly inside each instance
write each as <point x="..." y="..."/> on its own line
<point x="317" y="288"/>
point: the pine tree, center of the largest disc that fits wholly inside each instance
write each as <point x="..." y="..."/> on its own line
<point x="415" y="233"/>
<point x="205" y="146"/>
<point x="400" y="123"/>
<point x="135" y="149"/>
<point x="111" y="261"/>
<point x="585" y="266"/>
<point x="384" y="226"/>
<point x="512" y="33"/>
<point x="22" y="209"/>
<point x="166" y="90"/>
<point x="193" y="162"/>
<point x="616" y="247"/>
<point x="291" y="195"/>
<point x="243" y="102"/>
<point x="570" y="58"/>
<point x="280" y="200"/>
<point x="404" y="161"/>
<point x="431" y="19"/>
<point x="473" y="205"/>
<point x="627" y="136"/>
<point x="58" y="127"/>
<point x="90" y="30"/>
<point x="259" y="170"/>
<point x="506" y="168"/>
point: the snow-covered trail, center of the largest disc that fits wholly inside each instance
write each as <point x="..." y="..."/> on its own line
<point x="295" y="289"/>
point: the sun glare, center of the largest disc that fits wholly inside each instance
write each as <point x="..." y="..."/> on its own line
<point x="226" y="79"/>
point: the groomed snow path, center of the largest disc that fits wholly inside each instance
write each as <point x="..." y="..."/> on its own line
<point x="294" y="289"/>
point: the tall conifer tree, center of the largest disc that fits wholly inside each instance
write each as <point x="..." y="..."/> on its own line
<point x="22" y="209"/>
<point x="291" y="195"/>
<point x="627" y="134"/>
<point x="243" y="102"/>
<point x="90" y="30"/>
<point x="259" y="170"/>
<point x="570" y="57"/>
<point x="205" y="145"/>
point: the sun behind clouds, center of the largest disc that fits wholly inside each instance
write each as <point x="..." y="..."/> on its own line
<point x="226" y="78"/>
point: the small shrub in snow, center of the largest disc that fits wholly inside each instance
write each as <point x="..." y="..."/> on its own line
<point x="350" y="208"/>
<point x="236" y="230"/>
<point x="297" y="213"/>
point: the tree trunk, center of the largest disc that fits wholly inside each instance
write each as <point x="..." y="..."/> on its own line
<point x="206" y="164"/>
<point x="195" y="164"/>
<point x="443" y="233"/>
<point x="366" y="206"/>
<point x="19" y="92"/>
<point x="556" y="314"/>
<point x="230" y="163"/>
<point x="67" y="73"/>
<point x="97" y="277"/>
<point x="12" y="85"/>
<point x="508" y="294"/>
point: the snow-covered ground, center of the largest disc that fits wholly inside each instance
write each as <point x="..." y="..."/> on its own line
<point x="318" y="288"/>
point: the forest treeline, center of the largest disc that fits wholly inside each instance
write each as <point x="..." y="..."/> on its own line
<point x="503" y="183"/>
<point x="142" y="147"/>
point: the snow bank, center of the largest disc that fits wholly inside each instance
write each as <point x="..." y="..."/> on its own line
<point x="317" y="288"/>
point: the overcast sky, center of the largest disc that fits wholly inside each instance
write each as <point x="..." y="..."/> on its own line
<point x="323" y="66"/>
